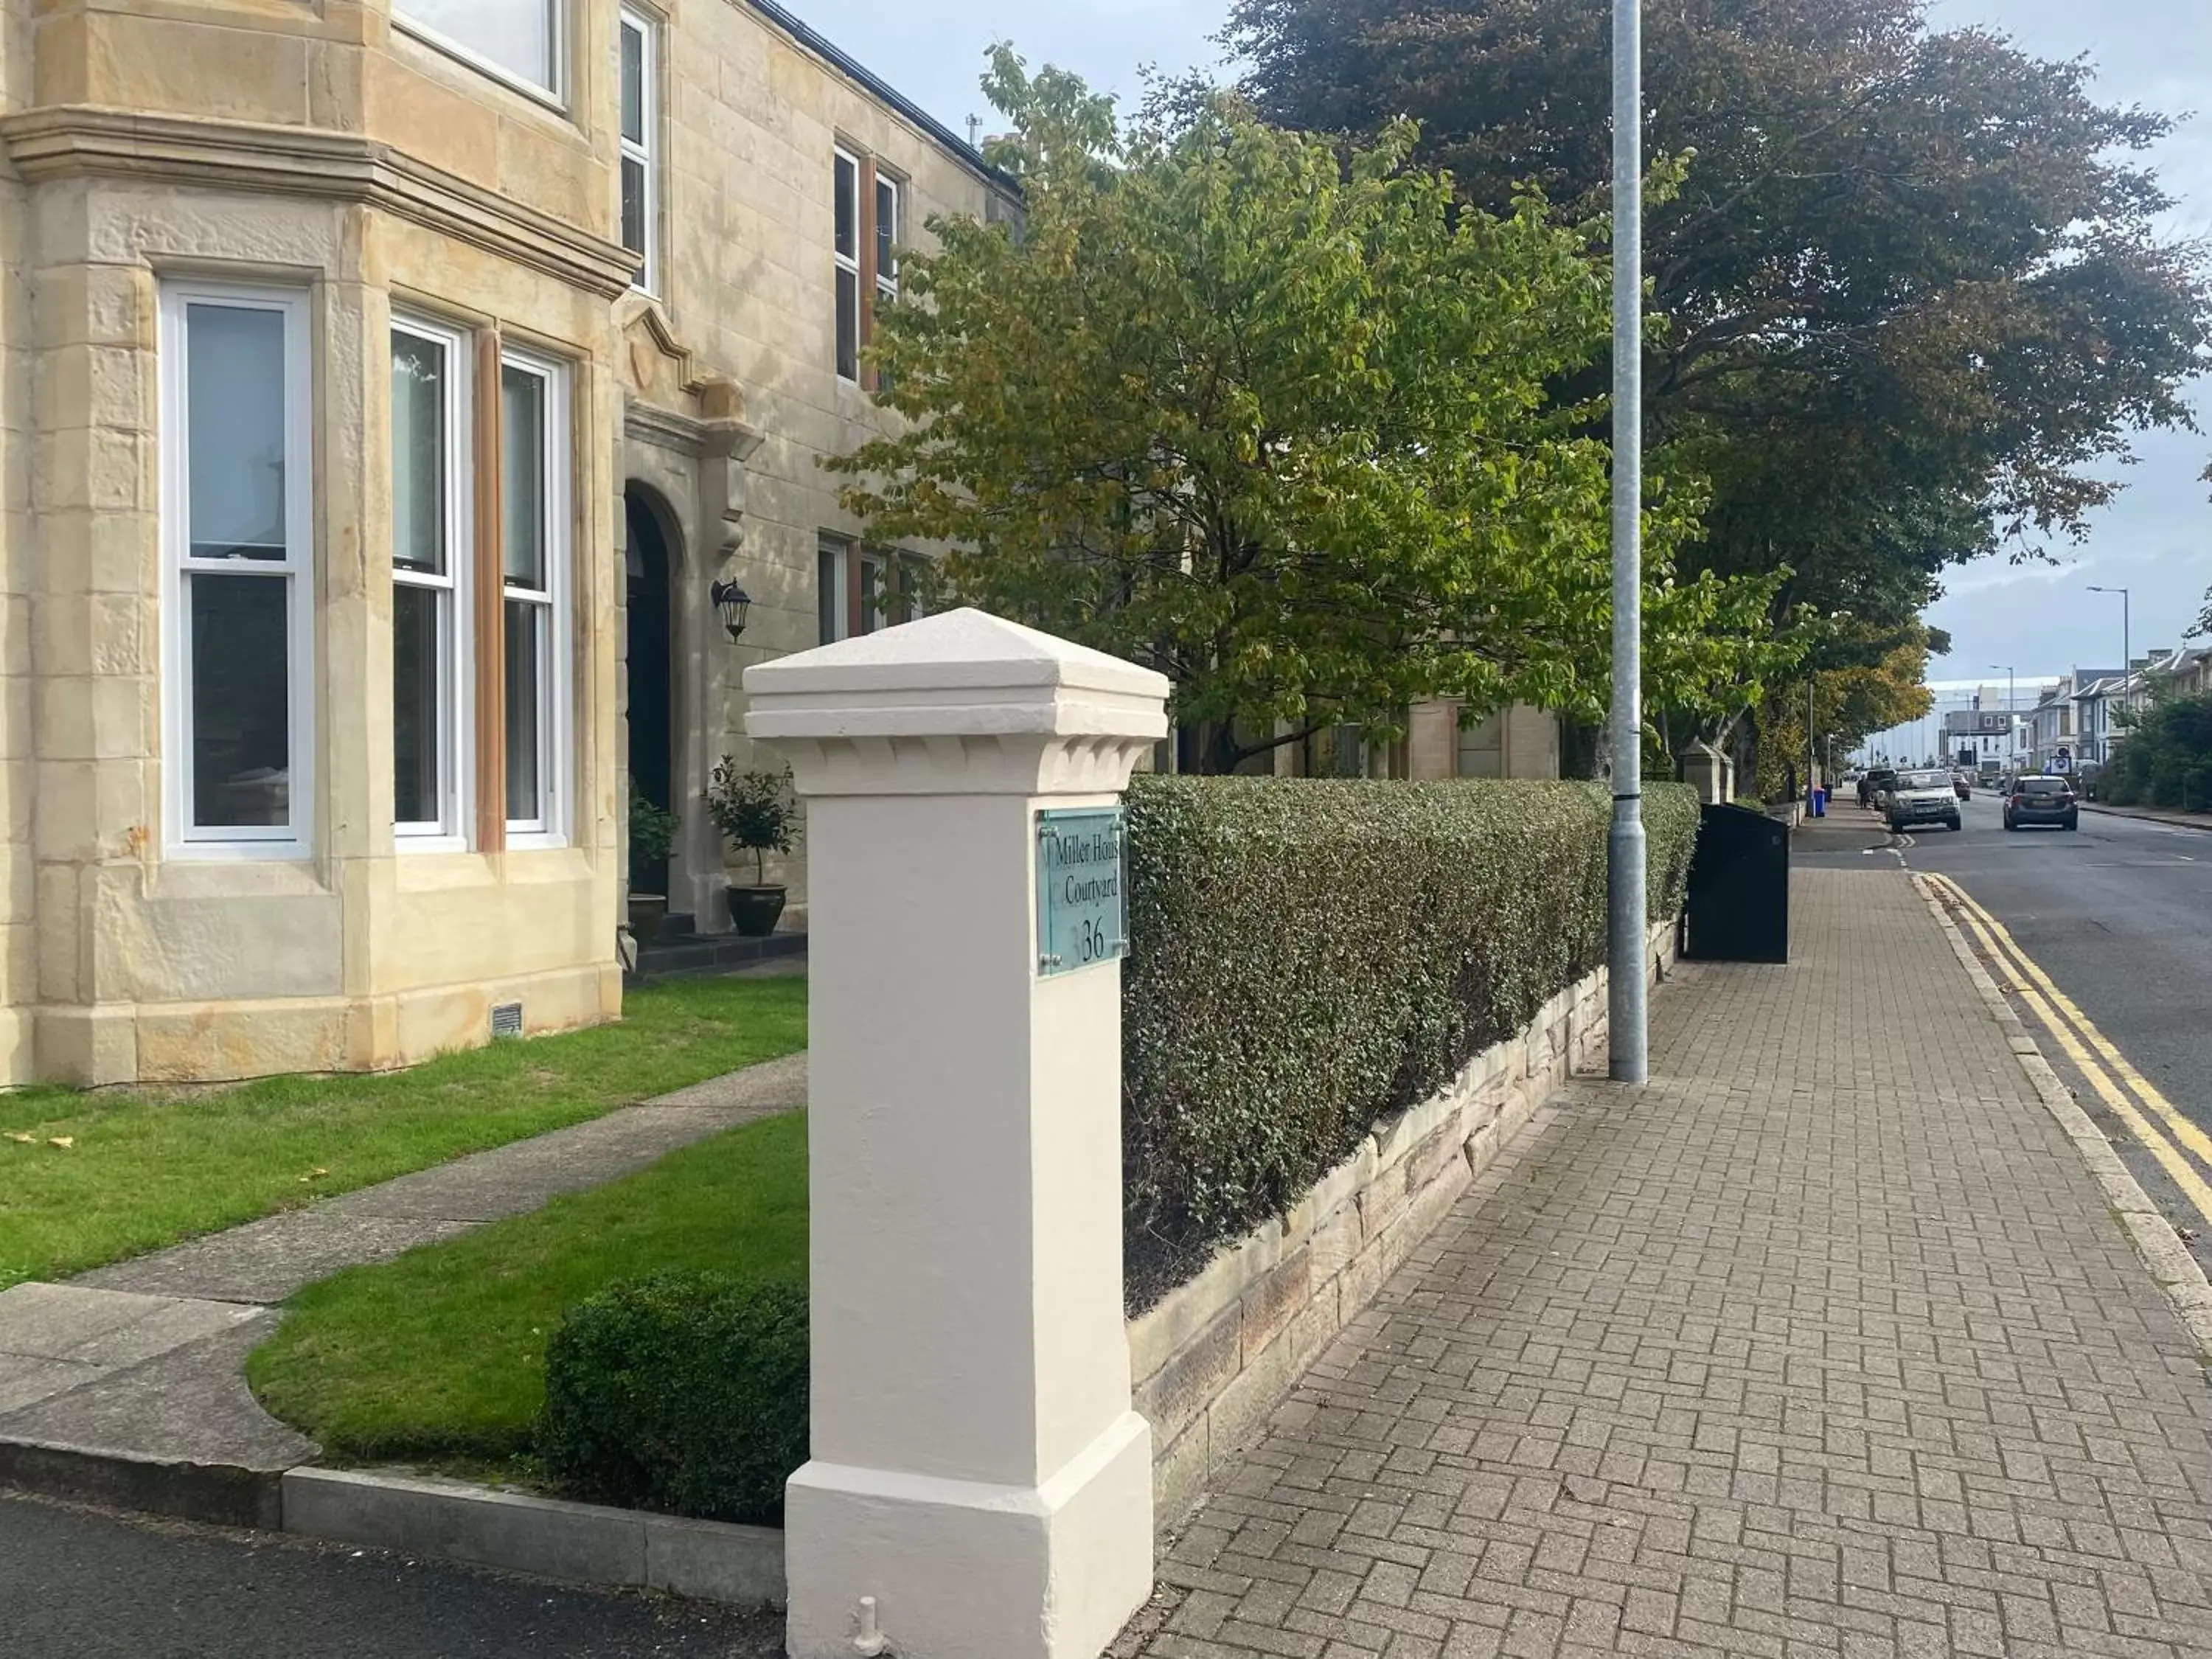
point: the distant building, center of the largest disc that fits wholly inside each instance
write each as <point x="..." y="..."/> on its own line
<point x="2107" y="703"/>
<point x="2054" y="732"/>
<point x="1989" y="721"/>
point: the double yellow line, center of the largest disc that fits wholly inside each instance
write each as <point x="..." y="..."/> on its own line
<point x="2151" y="1118"/>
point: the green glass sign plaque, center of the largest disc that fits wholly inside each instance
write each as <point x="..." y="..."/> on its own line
<point x="1083" y="889"/>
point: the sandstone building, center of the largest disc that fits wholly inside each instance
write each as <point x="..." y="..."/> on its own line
<point x="388" y="386"/>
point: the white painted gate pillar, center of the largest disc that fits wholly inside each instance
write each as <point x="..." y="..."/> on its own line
<point x="976" y="1467"/>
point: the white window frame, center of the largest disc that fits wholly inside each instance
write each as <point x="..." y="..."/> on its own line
<point x="554" y="96"/>
<point x="182" y="839"/>
<point x="833" y="556"/>
<point x="887" y="284"/>
<point x="846" y="158"/>
<point x="644" y="151"/>
<point x="556" y="669"/>
<point x="449" y="833"/>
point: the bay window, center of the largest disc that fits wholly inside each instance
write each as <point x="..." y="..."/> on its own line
<point x="430" y="560"/>
<point x="533" y="567"/>
<point x="481" y="680"/>
<point x="237" y="571"/>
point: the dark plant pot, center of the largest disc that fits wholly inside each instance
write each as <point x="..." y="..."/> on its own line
<point x="646" y="912"/>
<point x="754" y="910"/>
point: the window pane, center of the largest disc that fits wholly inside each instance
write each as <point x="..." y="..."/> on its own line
<point x="848" y="324"/>
<point x="241" y="702"/>
<point x="525" y="714"/>
<point x="632" y="208"/>
<point x="633" y="82"/>
<point x="418" y="453"/>
<point x="848" y="208"/>
<point x="235" y="426"/>
<point x="886" y="229"/>
<point x="418" y="733"/>
<point x="522" y="476"/>
<point x="515" y="35"/>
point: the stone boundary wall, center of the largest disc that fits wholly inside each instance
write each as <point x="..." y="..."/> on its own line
<point x="1213" y="1359"/>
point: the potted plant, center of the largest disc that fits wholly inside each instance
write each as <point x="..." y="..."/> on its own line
<point x="756" y="812"/>
<point x="652" y="838"/>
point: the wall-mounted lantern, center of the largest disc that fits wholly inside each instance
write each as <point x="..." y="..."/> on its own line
<point x="733" y="604"/>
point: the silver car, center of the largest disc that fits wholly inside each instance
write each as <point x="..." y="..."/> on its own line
<point x="1918" y="797"/>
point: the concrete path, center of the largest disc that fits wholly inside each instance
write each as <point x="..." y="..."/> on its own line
<point x="135" y="1368"/>
<point x="1824" y="1343"/>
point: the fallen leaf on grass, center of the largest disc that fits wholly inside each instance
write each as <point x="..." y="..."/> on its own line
<point x="314" y="1175"/>
<point x="63" y="1141"/>
<point x="19" y="1137"/>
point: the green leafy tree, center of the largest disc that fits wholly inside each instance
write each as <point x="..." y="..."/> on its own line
<point x="1846" y="703"/>
<point x="1274" y="420"/>
<point x="2164" y="758"/>
<point x="1915" y="295"/>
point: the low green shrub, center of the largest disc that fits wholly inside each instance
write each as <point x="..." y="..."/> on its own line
<point x="681" y="1392"/>
<point x="1312" y="957"/>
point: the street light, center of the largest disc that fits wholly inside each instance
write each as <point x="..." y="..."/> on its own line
<point x="2012" y="726"/>
<point x="1628" y="1058"/>
<point x="2127" y="657"/>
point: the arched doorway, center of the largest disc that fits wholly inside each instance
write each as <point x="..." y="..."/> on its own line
<point x="652" y="676"/>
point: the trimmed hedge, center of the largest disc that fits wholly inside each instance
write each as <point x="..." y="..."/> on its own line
<point x="682" y="1392"/>
<point x="1312" y="957"/>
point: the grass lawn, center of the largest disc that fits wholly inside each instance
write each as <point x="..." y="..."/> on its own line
<point x="147" y="1168"/>
<point x="439" y="1356"/>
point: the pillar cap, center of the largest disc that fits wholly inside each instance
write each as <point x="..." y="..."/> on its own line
<point x="962" y="673"/>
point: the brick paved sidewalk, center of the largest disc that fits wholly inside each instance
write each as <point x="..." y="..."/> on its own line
<point x="1825" y="1343"/>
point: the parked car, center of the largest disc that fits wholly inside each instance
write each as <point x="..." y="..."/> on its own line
<point x="1964" y="784"/>
<point x="1921" y="797"/>
<point x="2039" y="797"/>
<point x="1872" y="784"/>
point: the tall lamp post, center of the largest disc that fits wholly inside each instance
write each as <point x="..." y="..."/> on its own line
<point x="1628" y="1060"/>
<point x="2127" y="662"/>
<point x="2012" y="726"/>
<point x="1812" y="771"/>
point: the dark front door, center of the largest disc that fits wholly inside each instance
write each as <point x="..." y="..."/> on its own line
<point x="651" y="694"/>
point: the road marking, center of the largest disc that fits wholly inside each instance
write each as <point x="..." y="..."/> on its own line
<point x="2092" y="1053"/>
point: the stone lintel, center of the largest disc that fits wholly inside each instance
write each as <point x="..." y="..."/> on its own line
<point x="64" y="141"/>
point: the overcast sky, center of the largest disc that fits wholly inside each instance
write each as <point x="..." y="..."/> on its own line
<point x="2157" y="540"/>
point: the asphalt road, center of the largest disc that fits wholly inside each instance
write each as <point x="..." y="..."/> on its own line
<point x="83" y="1584"/>
<point x="2118" y="913"/>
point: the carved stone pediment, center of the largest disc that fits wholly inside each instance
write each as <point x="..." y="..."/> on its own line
<point x="676" y="405"/>
<point x="658" y="369"/>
